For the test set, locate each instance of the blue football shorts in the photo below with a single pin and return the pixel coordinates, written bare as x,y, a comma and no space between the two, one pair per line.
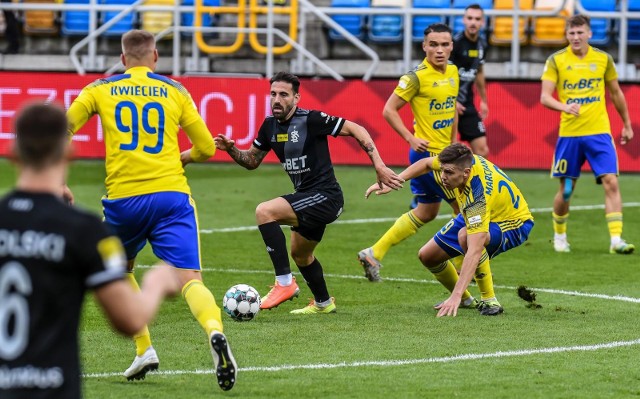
427,188
500,240
168,220
571,153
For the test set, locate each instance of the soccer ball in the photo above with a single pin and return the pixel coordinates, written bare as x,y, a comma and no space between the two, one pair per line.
241,302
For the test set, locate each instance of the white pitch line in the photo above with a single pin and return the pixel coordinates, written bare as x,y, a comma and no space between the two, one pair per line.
423,281
406,362
387,220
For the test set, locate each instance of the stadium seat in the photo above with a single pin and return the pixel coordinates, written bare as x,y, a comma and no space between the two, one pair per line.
420,22
188,18
354,24
457,24
157,21
502,27
75,22
600,27
386,28
125,24
40,22
550,31
633,25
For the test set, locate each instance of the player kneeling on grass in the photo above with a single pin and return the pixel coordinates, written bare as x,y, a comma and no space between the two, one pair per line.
494,217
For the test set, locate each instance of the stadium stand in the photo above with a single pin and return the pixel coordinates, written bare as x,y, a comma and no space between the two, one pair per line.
420,22
600,27
550,31
457,24
502,27
40,22
354,24
188,18
75,23
157,21
125,24
633,25
386,28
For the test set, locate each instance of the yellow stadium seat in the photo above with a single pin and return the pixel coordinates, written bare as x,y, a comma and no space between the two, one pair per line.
157,21
502,27
549,31
40,22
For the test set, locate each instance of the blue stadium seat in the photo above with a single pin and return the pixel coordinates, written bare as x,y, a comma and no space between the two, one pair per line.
421,22
633,32
354,24
125,24
457,26
600,27
386,28
188,18
75,22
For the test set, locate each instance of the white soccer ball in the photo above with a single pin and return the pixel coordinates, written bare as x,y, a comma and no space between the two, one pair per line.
241,302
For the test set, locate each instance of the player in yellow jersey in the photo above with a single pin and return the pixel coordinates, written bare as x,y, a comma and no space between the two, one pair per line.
580,74
431,90
494,218
148,198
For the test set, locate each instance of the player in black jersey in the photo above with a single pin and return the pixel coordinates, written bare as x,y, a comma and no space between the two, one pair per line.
469,49
50,255
299,139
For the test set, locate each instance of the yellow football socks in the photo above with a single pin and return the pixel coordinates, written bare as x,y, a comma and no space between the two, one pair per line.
404,227
484,279
447,275
614,222
560,223
203,306
142,339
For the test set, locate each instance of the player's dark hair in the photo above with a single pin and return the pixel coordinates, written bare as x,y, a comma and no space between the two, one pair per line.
287,78
474,6
457,154
579,20
41,134
438,28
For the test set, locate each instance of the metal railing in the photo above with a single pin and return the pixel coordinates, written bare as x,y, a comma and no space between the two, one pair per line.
308,10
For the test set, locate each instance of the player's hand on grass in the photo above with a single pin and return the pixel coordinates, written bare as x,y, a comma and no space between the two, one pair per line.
418,145
448,307
627,135
388,177
223,143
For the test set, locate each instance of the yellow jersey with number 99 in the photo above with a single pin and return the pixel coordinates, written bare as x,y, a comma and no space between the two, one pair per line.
141,113
432,96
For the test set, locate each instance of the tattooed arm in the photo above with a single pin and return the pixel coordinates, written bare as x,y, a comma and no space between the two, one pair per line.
249,159
386,176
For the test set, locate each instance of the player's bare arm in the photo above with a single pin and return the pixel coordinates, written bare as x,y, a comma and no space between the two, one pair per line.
546,99
386,176
249,159
416,169
618,100
391,114
454,128
129,310
476,243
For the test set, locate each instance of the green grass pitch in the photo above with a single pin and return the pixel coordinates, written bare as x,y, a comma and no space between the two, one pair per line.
384,341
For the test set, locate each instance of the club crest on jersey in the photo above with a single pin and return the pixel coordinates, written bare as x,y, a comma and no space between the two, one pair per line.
452,82
282,137
593,67
295,135
473,53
